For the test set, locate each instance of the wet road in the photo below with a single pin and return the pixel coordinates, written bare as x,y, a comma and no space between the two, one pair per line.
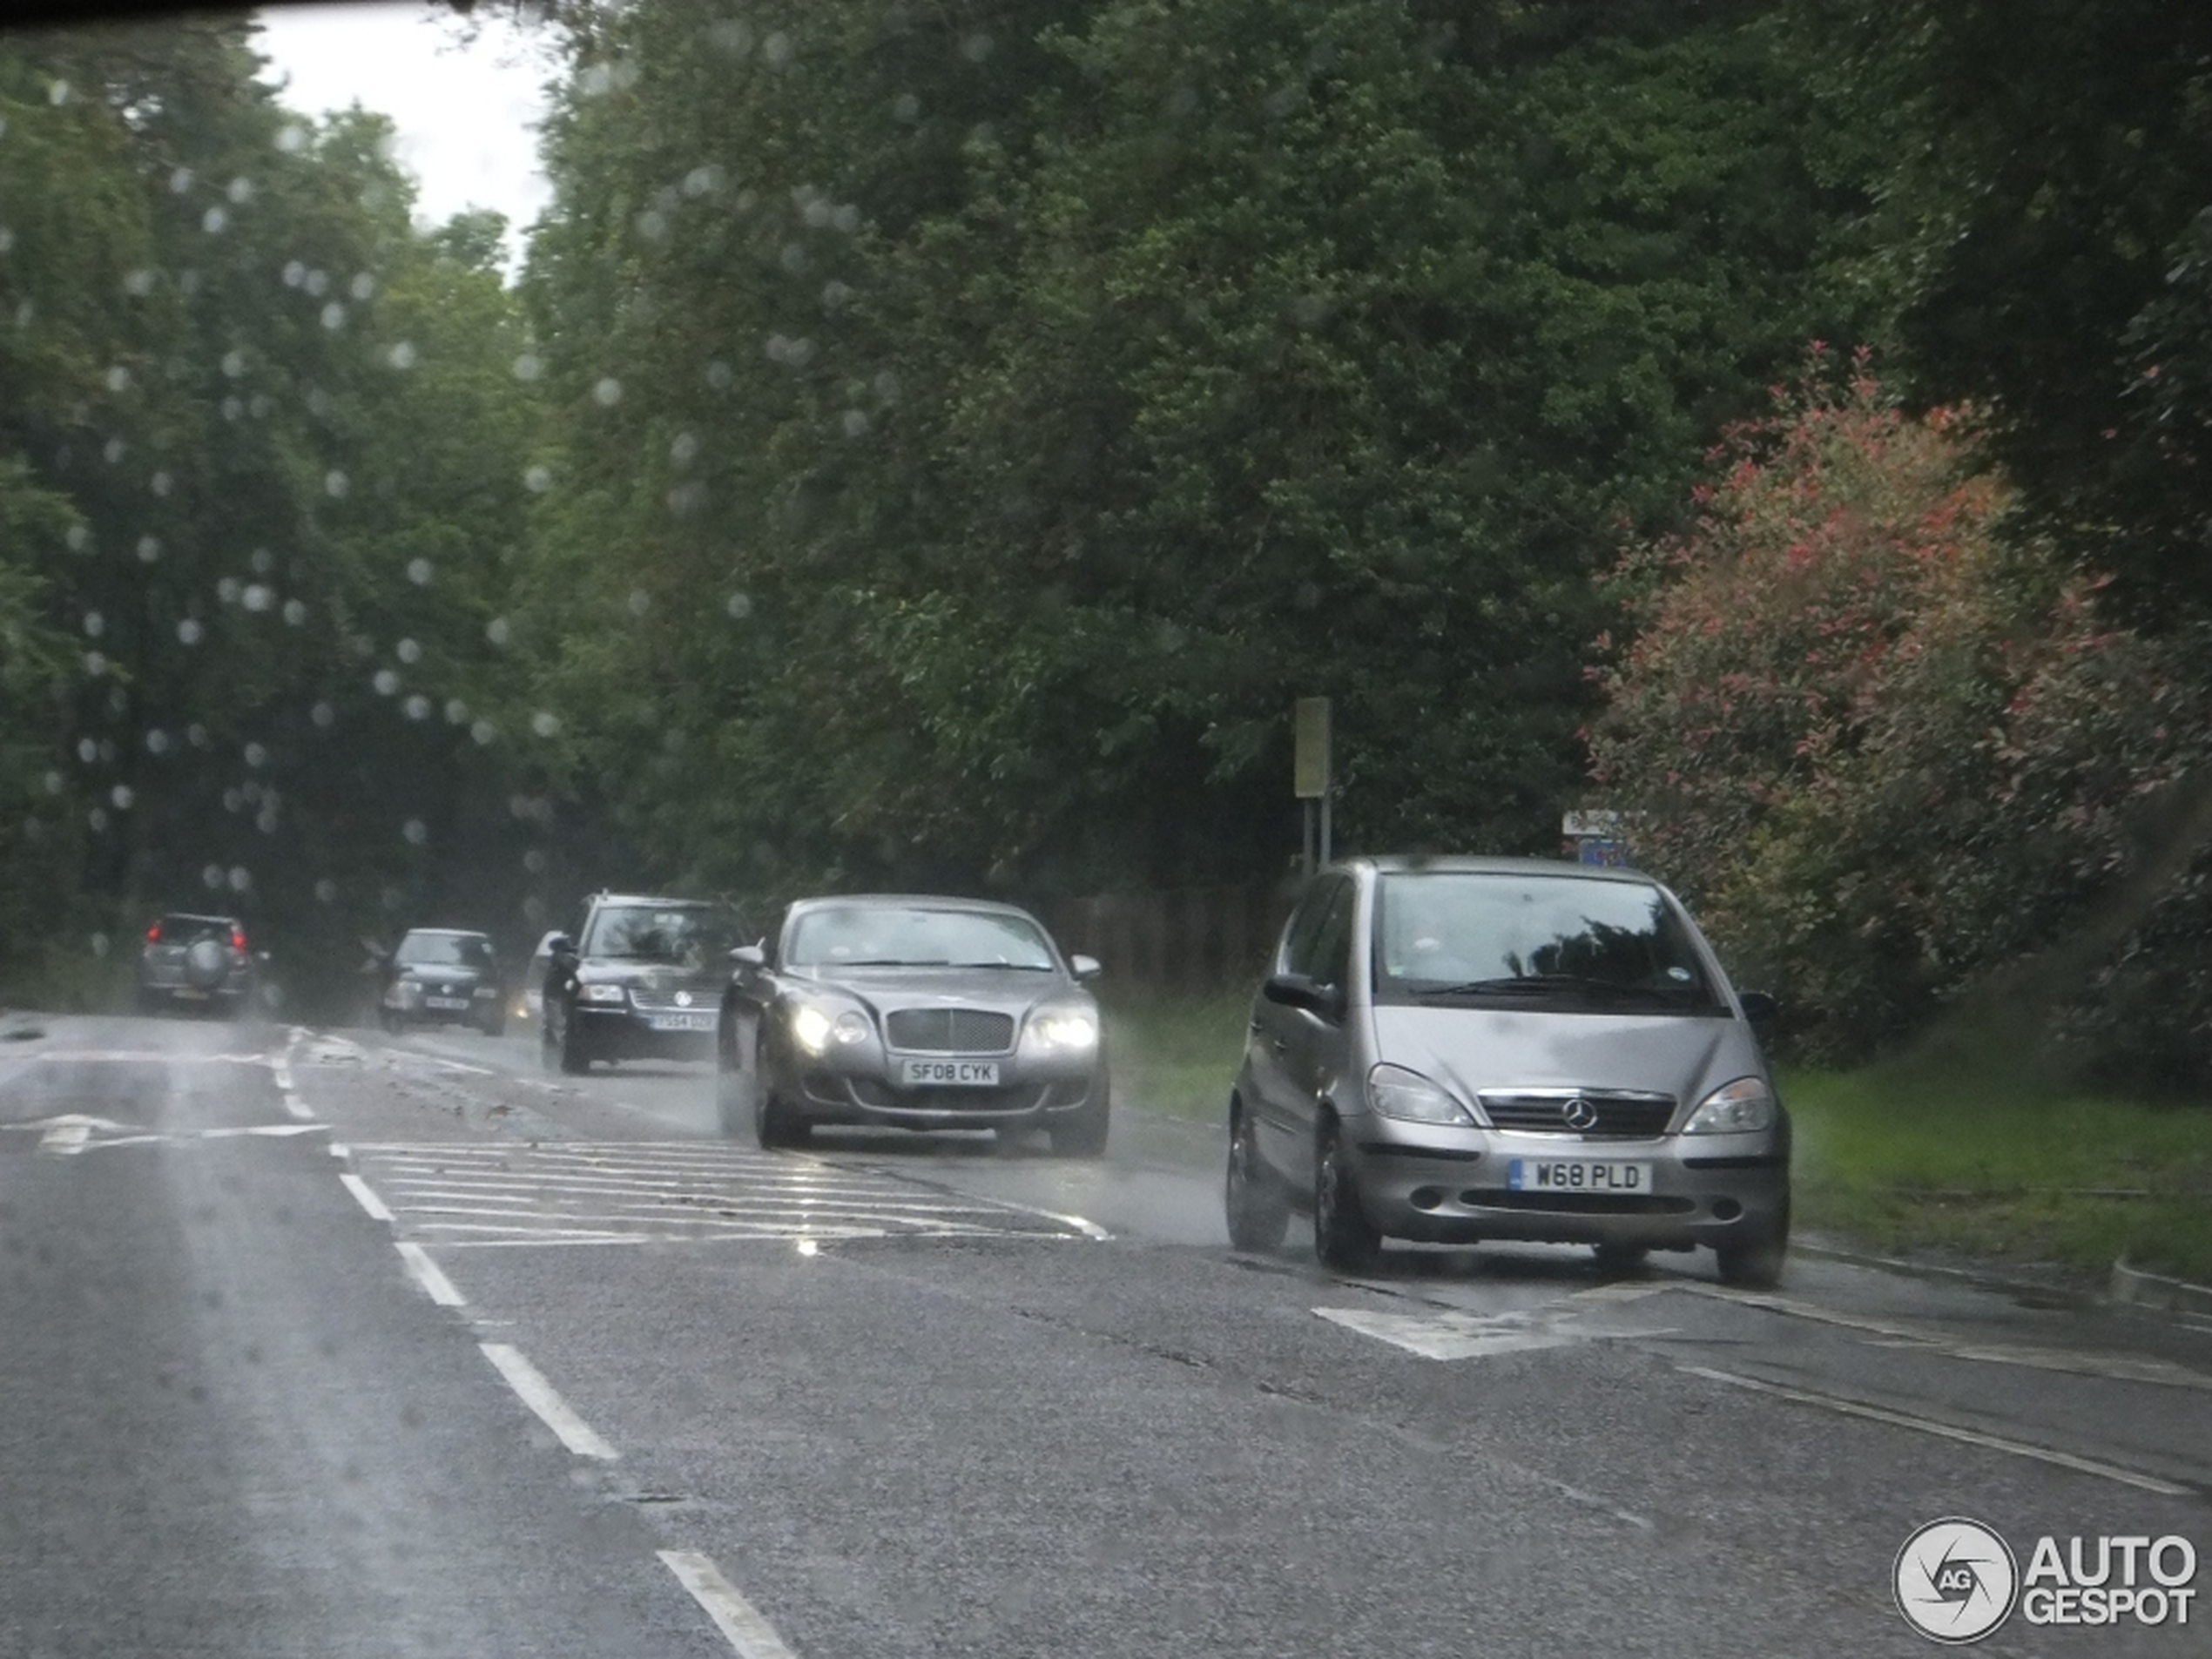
336,1344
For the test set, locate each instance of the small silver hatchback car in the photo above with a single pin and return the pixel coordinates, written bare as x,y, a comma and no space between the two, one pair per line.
1454,1049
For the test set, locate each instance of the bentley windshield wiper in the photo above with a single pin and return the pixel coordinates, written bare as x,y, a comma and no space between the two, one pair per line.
888,961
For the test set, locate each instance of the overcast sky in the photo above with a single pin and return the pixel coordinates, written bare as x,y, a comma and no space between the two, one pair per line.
465,112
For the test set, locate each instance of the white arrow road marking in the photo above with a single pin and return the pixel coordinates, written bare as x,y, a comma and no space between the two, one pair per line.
741,1622
538,1394
1453,1335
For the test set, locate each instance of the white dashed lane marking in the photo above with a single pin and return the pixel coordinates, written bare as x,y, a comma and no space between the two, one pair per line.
455,1194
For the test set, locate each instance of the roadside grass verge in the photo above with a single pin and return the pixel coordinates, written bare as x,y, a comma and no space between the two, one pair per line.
1911,1159
1176,1053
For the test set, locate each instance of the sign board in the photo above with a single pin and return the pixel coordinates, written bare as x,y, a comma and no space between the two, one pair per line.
1310,772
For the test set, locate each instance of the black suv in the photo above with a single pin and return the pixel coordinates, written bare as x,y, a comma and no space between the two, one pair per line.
443,976
642,978
202,962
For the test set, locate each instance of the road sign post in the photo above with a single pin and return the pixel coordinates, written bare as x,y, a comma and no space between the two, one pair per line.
1311,778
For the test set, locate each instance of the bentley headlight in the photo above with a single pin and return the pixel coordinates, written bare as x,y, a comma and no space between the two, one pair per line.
810,1027
1744,1107
1064,1029
1396,1092
852,1026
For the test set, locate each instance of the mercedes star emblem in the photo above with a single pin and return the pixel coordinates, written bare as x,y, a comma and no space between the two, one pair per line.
1579,1114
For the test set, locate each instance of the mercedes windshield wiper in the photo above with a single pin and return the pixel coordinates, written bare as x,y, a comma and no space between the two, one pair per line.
1026,967
1546,984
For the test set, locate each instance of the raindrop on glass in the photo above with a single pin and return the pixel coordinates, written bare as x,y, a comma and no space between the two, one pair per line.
538,479
295,611
294,274
497,631
402,355
292,139
257,597
386,682
190,632
95,623
408,652
212,877
241,878
149,549
157,742
528,367
138,283
123,796
417,707
327,891
483,731
323,715
214,221
639,602
456,711
256,756
415,831
362,286
334,316
419,572
545,724
739,606
607,393
87,751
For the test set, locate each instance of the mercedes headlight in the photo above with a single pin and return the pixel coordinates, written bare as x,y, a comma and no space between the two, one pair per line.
1744,1107
601,993
1407,1095
1064,1029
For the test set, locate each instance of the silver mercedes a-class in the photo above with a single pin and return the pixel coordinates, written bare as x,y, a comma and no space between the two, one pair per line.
1455,1050
912,1012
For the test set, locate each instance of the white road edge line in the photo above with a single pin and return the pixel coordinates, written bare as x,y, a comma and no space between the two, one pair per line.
430,1276
367,1195
747,1631
538,1394
1946,1431
66,1139
288,1090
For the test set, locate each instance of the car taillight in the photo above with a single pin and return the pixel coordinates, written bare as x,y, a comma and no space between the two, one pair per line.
238,939
154,934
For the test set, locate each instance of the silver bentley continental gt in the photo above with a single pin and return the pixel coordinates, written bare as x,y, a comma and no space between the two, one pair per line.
912,1012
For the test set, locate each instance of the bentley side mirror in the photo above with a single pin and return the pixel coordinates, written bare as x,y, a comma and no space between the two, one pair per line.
748,959
1085,969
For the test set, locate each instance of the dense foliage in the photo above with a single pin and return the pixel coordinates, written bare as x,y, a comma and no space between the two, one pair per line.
1889,748
1023,406
260,474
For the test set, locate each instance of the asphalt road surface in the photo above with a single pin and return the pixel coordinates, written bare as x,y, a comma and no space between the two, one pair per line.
334,1343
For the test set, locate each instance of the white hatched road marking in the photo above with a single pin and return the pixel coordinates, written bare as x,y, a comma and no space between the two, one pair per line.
458,1194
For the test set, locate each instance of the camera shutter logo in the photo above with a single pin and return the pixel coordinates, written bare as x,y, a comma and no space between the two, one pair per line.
1955,1581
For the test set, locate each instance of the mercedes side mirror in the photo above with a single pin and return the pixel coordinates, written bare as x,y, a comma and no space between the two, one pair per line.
1298,991
1759,1008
